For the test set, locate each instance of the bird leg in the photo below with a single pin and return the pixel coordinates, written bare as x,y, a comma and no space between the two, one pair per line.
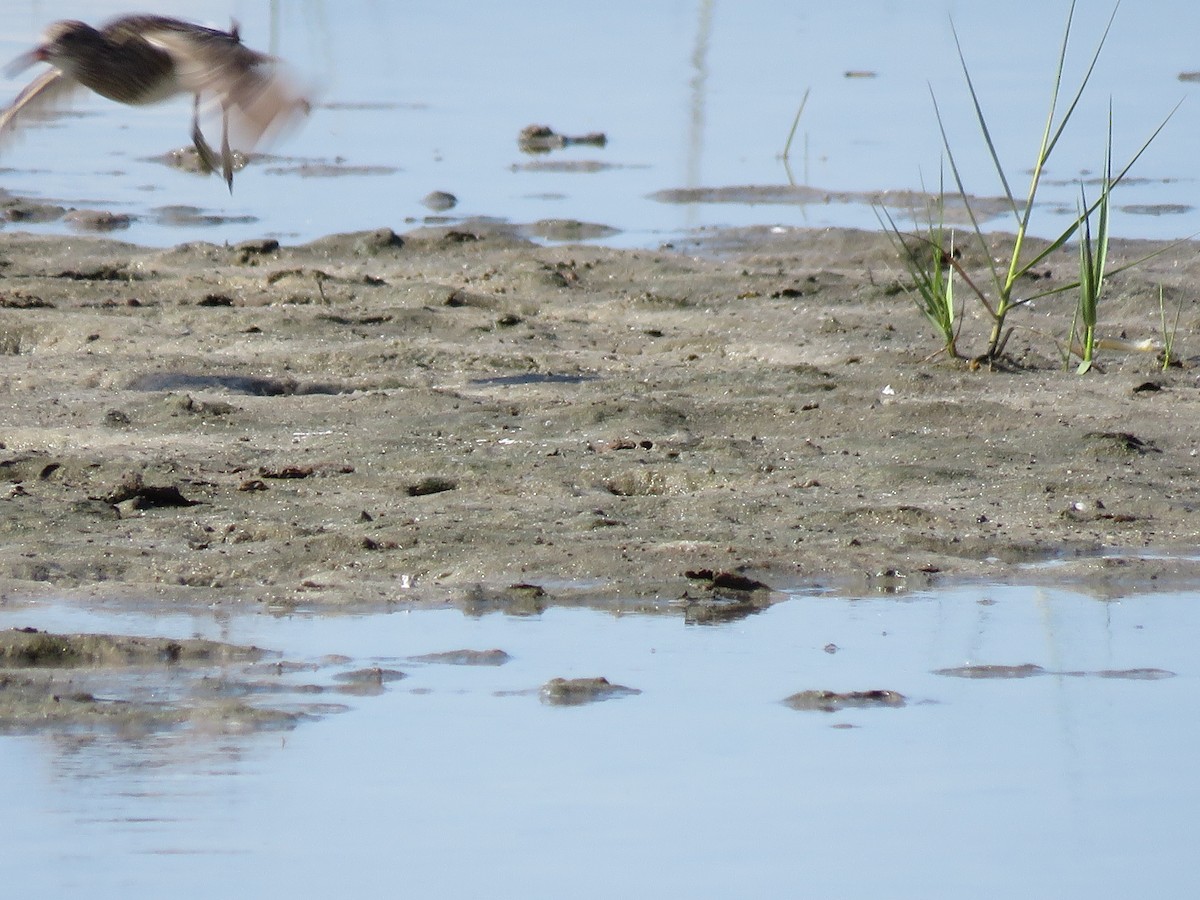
226,152
208,159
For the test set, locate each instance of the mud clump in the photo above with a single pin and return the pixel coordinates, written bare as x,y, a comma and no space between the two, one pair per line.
135,685
832,701
578,691
30,648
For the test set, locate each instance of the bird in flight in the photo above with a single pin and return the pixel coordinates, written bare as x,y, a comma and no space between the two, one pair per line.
141,59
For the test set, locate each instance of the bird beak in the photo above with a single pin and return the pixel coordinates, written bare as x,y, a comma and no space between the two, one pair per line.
25,60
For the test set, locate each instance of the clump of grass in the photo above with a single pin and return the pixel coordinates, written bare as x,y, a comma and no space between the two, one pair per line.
929,258
1006,273
1093,259
1168,351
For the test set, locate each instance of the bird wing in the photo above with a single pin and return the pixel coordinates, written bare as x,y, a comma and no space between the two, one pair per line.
37,99
248,84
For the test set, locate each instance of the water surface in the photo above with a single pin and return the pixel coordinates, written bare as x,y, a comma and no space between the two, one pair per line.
455,783
417,97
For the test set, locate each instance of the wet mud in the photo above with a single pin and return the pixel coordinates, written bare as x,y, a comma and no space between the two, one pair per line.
459,414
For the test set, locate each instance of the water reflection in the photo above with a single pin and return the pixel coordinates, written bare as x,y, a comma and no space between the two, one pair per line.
706,783
697,84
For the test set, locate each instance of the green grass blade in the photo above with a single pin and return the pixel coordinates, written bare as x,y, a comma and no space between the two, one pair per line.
1102,227
980,239
933,281
1087,77
1047,141
1051,135
983,126
1145,145
1113,181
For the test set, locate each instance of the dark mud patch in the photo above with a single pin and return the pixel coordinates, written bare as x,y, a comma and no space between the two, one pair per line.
252,385
136,494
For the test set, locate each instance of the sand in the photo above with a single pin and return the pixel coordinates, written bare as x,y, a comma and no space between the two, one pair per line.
460,415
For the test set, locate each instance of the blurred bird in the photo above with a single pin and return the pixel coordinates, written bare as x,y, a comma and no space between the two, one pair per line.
142,59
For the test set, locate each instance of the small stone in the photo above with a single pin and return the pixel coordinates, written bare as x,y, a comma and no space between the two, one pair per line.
439,201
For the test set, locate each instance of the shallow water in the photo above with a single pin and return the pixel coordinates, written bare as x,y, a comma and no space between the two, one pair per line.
455,783
421,97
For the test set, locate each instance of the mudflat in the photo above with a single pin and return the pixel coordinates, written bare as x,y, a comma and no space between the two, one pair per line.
461,415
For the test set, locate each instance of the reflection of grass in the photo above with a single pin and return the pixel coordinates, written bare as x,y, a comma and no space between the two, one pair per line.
1006,272
787,147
